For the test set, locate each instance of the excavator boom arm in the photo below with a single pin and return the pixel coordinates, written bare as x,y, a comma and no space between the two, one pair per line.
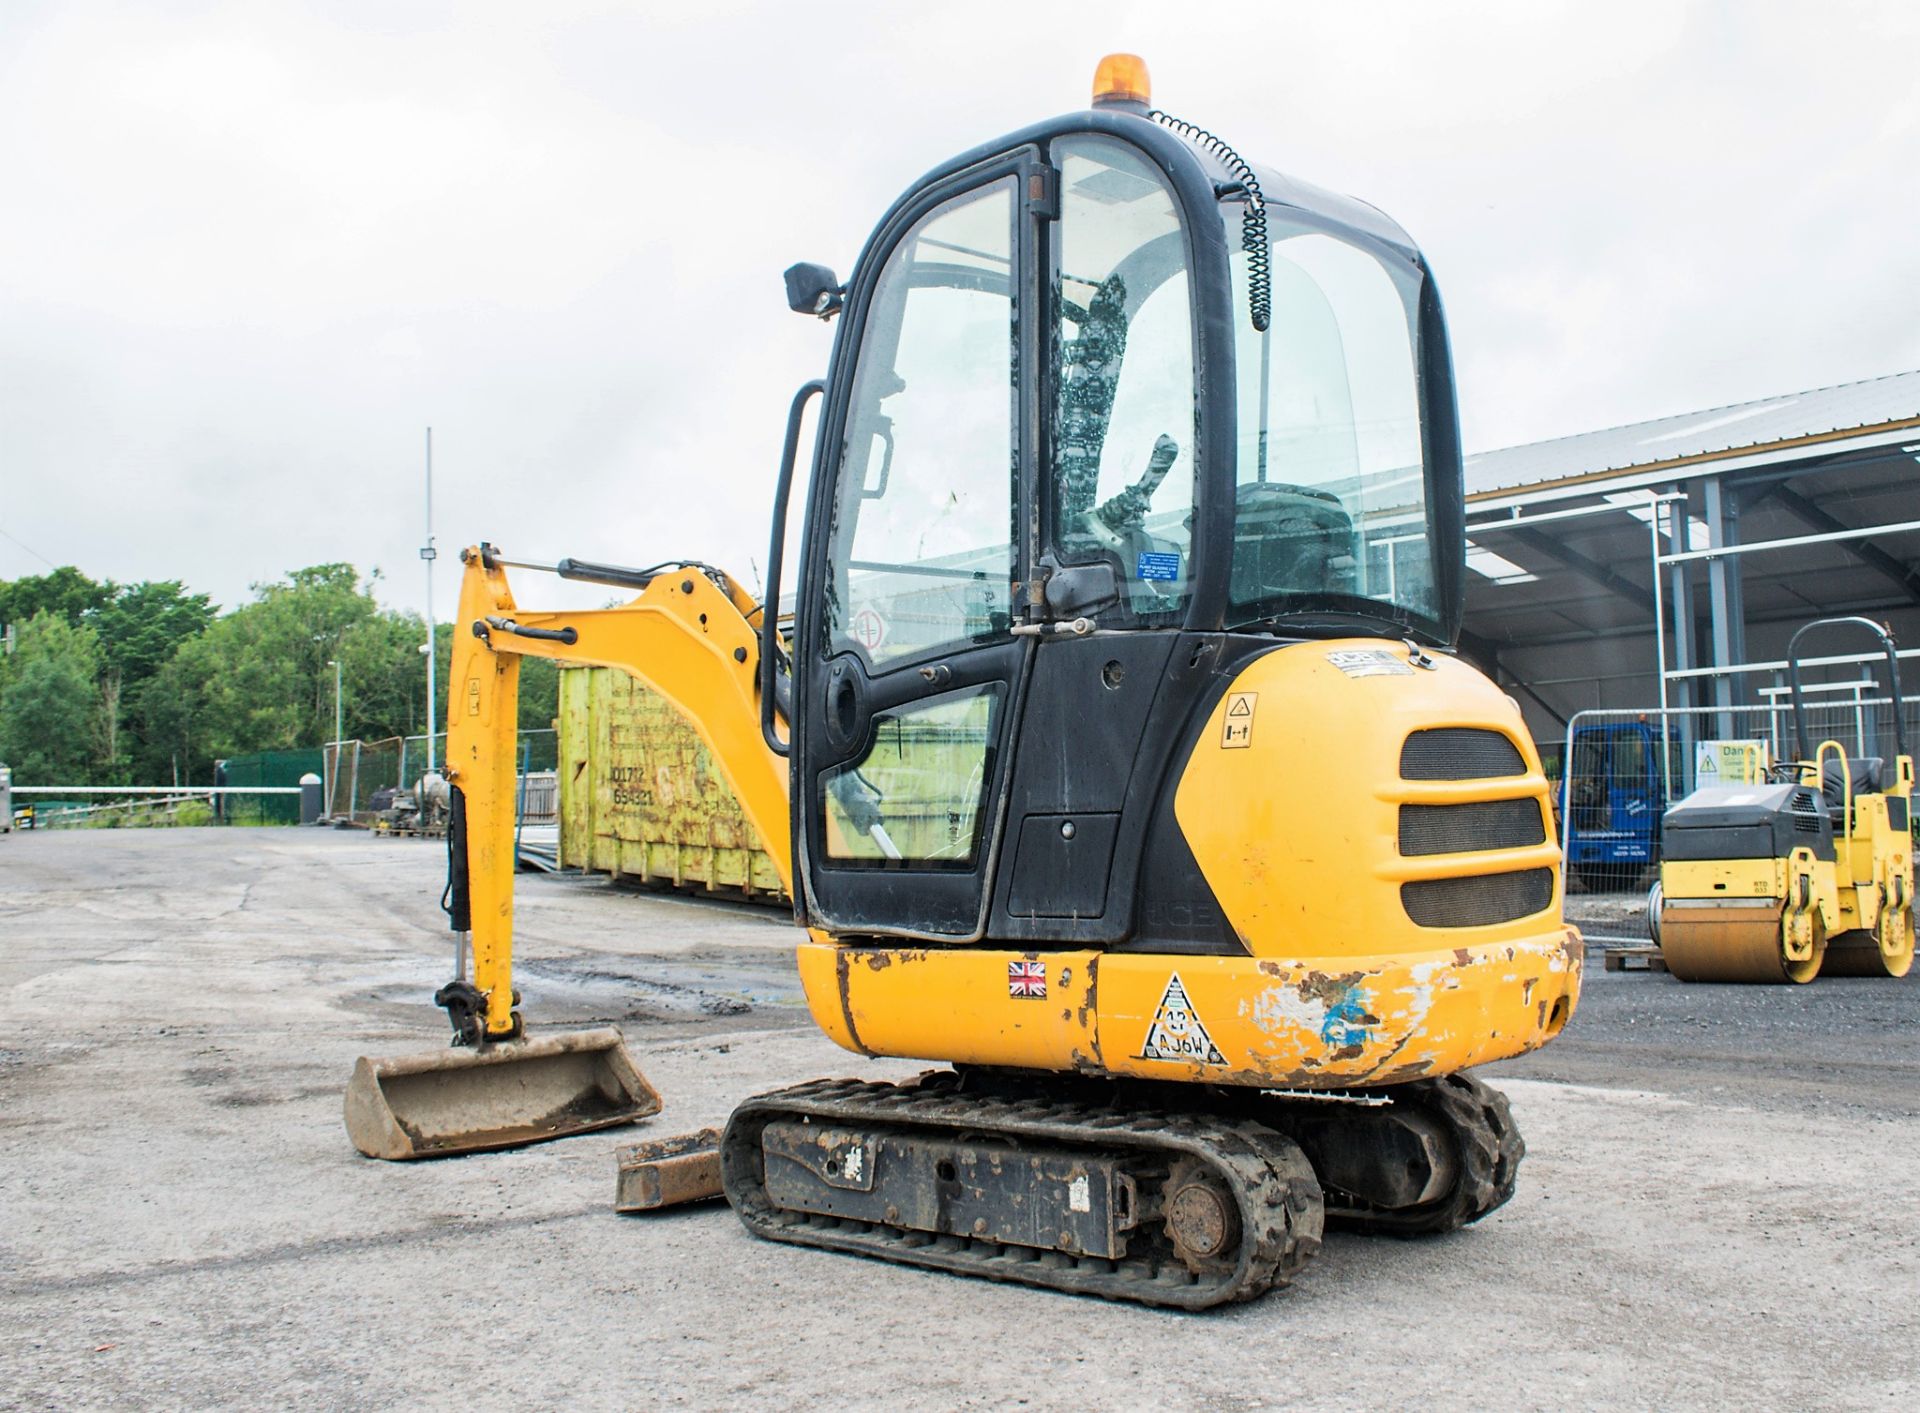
685,637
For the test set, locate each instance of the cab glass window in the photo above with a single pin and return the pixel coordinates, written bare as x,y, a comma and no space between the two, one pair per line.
917,795
921,553
1122,349
1330,506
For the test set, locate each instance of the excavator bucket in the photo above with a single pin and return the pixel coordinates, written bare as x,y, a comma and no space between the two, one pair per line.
445,1102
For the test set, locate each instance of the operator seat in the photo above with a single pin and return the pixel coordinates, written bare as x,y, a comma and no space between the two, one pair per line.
1865,771
1290,539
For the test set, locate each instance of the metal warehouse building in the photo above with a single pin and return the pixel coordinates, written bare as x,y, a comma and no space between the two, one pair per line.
1668,562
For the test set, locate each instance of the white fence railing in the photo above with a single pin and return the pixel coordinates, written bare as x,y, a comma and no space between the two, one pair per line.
124,803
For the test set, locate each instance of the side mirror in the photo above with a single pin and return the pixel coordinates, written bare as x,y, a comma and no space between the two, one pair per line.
813,289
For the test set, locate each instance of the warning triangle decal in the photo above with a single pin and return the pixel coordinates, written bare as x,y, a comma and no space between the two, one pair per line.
1176,1032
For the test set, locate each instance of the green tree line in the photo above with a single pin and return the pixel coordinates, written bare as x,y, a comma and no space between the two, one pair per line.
149,684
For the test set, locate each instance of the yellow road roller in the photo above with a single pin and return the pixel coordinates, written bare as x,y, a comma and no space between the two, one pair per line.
1805,870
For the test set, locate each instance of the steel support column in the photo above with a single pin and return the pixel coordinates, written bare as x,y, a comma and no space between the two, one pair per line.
1680,592
1727,613
1680,595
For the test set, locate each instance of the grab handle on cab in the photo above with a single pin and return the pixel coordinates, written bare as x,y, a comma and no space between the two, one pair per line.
770,609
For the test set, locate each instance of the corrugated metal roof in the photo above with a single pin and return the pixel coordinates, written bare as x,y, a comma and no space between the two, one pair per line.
1743,426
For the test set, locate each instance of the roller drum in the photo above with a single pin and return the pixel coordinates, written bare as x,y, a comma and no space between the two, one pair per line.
1859,954
1710,941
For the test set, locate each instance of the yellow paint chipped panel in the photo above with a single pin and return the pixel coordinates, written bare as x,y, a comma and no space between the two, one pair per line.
1320,1023
960,1004
1332,1022
819,978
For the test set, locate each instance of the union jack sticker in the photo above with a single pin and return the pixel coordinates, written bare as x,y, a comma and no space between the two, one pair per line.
1027,980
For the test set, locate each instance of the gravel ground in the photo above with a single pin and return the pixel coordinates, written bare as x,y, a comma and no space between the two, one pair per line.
1713,1211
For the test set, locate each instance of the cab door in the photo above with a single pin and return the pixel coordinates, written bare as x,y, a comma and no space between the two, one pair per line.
906,670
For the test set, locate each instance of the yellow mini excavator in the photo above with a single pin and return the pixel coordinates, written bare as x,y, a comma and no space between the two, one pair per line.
1118,758
1808,870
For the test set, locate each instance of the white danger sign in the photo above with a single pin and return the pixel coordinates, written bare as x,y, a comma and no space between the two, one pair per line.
1176,1032
1729,762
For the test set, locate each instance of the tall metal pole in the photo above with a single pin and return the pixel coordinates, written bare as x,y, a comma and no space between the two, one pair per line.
429,554
339,729
1660,641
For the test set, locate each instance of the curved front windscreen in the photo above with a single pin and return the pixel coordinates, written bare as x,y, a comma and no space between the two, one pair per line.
1330,500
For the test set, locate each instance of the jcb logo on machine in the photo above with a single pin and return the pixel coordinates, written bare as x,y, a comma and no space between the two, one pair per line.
1176,1032
1237,729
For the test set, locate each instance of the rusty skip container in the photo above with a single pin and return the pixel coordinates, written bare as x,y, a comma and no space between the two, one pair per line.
641,798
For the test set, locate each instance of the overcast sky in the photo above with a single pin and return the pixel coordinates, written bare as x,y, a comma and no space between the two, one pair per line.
249,251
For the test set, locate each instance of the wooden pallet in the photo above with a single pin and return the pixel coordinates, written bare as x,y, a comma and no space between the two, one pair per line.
1646,958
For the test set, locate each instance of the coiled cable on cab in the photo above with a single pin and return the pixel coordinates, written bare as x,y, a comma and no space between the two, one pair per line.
1253,226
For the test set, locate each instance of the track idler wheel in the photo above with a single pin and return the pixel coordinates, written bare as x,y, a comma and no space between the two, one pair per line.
1486,1150
1203,1220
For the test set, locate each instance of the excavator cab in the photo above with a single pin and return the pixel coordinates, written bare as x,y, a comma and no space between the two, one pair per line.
1101,396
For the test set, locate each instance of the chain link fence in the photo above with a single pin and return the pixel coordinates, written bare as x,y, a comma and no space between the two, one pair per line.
1619,770
359,777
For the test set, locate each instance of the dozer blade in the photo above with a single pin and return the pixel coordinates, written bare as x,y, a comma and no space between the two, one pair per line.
452,1101
667,1172
1713,941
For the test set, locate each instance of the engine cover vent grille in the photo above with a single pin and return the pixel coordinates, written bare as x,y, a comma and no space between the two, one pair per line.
1806,812
1470,828
1459,753
1477,902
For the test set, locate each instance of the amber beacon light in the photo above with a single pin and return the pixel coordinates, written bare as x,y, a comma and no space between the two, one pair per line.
1122,78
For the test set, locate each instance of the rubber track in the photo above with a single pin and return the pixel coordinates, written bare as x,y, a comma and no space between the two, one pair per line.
1278,1195
1486,1142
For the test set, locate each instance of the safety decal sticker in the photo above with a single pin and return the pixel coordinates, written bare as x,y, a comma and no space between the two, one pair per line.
1156,565
1238,728
1027,981
868,629
1176,1032
1369,662
1079,1194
